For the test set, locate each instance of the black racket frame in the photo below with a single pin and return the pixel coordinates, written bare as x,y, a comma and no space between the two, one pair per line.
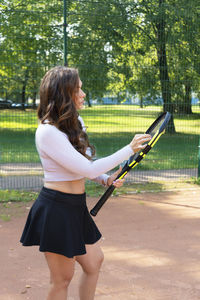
135,159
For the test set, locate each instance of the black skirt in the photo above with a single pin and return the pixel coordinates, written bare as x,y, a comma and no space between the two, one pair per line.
60,223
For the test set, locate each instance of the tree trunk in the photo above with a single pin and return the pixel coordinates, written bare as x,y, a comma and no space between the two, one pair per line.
34,99
188,99
183,105
24,84
163,67
141,102
88,99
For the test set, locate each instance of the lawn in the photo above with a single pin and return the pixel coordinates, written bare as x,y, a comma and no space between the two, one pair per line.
109,128
96,190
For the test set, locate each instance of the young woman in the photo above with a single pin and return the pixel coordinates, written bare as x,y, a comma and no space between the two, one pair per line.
59,221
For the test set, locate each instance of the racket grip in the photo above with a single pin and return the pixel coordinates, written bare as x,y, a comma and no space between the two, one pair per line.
102,200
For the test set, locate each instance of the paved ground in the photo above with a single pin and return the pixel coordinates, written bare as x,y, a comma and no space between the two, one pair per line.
30,176
151,245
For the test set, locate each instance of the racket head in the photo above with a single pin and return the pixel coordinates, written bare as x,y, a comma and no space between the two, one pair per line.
159,124
157,127
155,130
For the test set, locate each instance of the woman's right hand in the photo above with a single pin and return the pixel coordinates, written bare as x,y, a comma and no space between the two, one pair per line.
138,141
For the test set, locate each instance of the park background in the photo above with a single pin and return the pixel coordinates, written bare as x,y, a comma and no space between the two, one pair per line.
136,59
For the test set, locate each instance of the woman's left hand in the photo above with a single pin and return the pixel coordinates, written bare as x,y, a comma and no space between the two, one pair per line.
119,182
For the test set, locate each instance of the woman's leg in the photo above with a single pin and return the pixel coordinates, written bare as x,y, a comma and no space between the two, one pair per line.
61,272
90,263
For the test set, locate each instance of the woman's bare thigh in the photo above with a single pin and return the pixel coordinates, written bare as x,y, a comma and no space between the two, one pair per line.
60,266
92,260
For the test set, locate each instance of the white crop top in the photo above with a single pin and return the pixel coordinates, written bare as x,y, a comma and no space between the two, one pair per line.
62,162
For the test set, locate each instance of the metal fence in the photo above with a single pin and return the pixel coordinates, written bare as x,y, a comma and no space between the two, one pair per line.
135,59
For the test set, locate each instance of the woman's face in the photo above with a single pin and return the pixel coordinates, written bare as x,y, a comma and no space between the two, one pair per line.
79,97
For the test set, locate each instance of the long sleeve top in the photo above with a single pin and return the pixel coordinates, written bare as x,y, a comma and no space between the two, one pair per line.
62,162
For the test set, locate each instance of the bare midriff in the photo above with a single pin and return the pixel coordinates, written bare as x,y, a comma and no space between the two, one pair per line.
71,187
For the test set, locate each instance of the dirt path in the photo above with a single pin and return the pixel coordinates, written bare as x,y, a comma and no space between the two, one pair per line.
151,245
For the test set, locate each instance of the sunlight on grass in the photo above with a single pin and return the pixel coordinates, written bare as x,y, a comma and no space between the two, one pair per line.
10,119
105,118
117,119
16,125
132,119
109,127
193,126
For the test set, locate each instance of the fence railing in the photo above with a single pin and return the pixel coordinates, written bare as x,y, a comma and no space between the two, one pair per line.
135,59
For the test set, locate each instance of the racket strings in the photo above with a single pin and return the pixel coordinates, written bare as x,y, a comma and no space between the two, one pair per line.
156,127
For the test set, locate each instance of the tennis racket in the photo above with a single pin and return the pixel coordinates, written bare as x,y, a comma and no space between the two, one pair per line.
155,130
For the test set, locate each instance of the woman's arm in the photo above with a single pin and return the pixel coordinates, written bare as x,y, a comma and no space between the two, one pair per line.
55,144
102,179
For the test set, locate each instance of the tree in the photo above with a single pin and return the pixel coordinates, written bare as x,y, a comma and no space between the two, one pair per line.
86,48
28,43
148,48
151,26
185,59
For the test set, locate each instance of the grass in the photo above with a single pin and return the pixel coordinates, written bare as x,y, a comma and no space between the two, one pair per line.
5,217
7,196
95,190
15,203
109,128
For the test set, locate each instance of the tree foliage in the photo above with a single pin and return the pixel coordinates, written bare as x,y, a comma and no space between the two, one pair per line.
147,49
28,47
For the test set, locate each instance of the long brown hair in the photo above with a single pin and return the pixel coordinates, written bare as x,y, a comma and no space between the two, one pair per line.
57,93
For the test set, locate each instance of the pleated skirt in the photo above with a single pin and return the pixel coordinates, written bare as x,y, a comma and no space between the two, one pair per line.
60,223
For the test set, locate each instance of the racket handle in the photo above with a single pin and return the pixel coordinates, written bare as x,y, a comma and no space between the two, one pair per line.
102,200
